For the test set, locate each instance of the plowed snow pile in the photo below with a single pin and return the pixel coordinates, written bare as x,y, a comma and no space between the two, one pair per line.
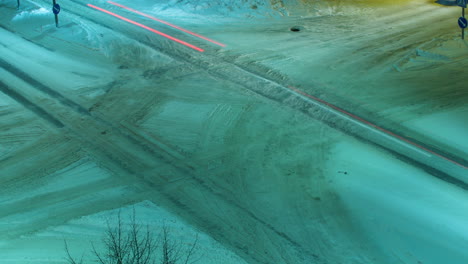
256,8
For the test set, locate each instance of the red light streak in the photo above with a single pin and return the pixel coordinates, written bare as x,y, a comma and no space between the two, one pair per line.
374,126
167,23
147,28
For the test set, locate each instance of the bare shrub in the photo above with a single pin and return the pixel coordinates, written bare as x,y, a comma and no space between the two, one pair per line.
136,244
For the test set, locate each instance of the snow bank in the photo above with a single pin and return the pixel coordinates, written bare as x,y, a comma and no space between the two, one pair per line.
28,14
450,127
242,9
228,8
411,215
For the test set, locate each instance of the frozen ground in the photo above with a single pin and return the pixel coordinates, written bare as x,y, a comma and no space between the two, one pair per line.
46,247
101,115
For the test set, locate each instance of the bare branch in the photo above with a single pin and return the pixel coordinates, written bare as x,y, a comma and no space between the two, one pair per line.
70,259
191,251
98,256
133,245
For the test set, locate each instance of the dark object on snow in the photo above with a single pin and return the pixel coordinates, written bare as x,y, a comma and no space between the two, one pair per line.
447,2
296,29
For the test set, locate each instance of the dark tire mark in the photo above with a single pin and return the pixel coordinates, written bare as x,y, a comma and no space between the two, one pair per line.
43,88
29,105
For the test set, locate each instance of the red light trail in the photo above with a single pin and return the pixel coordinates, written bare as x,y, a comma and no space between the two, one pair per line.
147,28
389,133
374,126
167,23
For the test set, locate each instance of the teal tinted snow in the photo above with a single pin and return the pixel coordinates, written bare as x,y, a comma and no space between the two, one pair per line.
344,142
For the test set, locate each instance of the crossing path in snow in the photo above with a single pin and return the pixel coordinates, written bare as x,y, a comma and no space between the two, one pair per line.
452,169
140,158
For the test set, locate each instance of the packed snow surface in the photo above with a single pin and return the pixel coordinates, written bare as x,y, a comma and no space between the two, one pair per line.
273,149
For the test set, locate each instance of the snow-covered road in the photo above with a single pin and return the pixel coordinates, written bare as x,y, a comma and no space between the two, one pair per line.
101,114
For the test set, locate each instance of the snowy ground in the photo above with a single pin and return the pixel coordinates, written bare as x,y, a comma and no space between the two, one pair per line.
412,217
47,246
100,116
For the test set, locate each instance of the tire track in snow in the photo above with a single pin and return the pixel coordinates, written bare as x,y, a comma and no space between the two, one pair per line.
41,87
30,105
132,153
254,83
215,72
